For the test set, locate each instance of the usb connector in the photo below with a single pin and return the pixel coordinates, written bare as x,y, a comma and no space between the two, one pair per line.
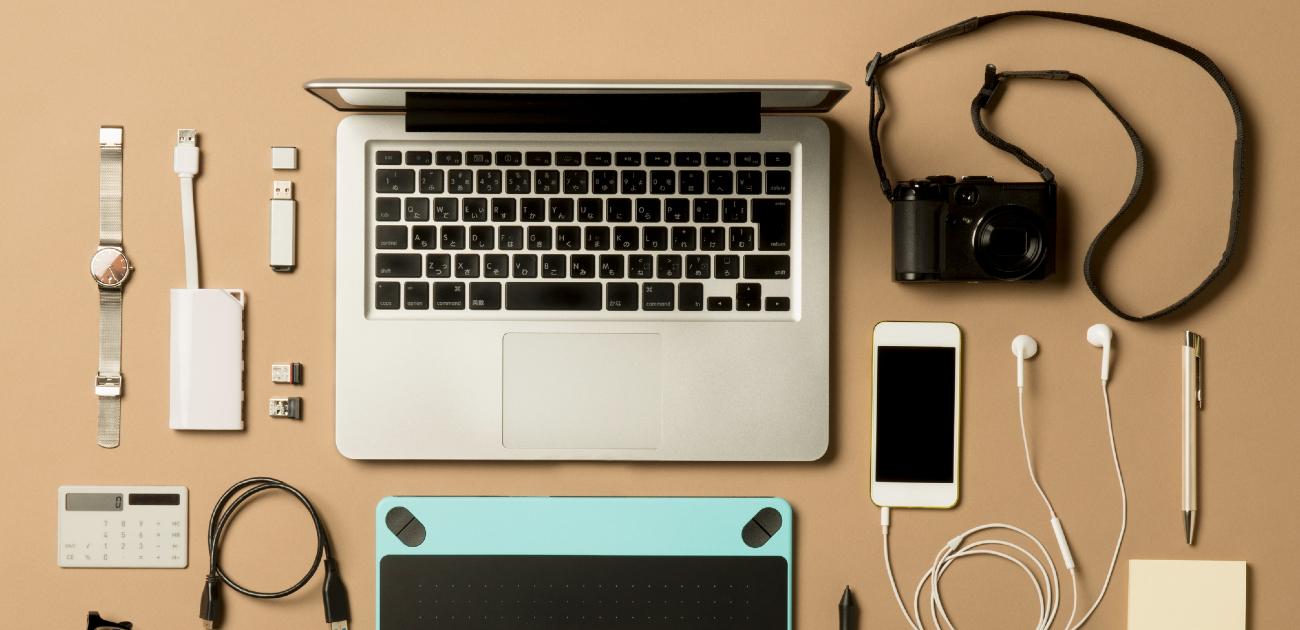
185,157
284,212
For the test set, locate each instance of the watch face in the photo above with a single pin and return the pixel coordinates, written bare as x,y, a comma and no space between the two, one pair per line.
110,267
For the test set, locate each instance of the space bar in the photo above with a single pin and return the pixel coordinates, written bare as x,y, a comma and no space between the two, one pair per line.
553,296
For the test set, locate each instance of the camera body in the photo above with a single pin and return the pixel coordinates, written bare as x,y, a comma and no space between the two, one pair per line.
973,229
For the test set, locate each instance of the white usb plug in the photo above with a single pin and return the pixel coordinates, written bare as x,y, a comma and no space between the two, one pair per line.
283,225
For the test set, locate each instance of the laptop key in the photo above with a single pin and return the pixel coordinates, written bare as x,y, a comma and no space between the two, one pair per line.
597,158
509,158
719,304
683,238
677,210
419,158
690,296
749,296
647,211
452,237
524,266
749,159
726,267
553,266
618,210
669,266
632,183
625,238
460,181
691,182
654,238
547,182
489,181
496,265
698,266
415,296
604,182
485,296
591,210
657,296
568,158
448,158
776,303
467,265
627,158
597,237
767,267
720,182
388,209
611,266
706,210
476,209
394,180
777,158
717,159
582,266
640,266
686,158
539,237
519,182
749,182
388,158
742,239
417,209
431,181
663,182
446,209
561,210
734,210
773,219
397,265
778,182
713,239
532,210
621,296
437,266
388,295
503,209
576,182
568,238
478,158
658,158
537,158
424,237
553,296
390,237
449,296
510,237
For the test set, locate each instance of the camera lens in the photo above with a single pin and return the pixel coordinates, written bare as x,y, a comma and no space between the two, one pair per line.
1009,242
967,195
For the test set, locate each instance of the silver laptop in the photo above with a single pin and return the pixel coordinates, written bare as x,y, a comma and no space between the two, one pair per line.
615,271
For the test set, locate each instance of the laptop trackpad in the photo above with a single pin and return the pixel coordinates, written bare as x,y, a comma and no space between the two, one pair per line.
580,390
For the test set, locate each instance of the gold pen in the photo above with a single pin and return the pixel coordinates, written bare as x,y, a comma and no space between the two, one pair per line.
1193,399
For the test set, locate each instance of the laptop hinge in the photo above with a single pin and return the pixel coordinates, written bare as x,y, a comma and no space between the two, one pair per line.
668,112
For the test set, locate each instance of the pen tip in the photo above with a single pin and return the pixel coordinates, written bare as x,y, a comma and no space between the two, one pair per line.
847,598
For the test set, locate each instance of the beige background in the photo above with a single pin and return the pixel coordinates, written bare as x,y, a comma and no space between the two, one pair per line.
234,70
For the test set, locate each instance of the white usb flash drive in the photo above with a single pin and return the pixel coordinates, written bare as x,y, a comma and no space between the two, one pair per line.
207,359
283,211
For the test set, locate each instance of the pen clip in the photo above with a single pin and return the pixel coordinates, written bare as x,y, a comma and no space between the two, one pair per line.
1195,343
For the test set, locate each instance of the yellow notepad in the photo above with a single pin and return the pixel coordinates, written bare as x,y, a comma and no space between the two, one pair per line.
1186,595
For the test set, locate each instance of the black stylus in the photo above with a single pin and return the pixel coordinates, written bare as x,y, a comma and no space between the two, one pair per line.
846,610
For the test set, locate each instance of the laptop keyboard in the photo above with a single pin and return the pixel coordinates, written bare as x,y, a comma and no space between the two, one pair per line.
520,232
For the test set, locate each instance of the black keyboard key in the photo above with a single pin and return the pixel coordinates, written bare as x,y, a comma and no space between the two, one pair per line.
394,180
547,182
686,158
446,209
452,237
582,266
576,182
388,295
496,265
647,211
677,210
597,158
476,209
618,210
390,237
415,296
690,182
657,296
632,183
561,210
537,158
604,182
460,181
713,239
742,239
481,237
553,296
539,237
627,159
431,181
778,182
532,210
640,266
509,158
503,209
416,209
776,303
524,266
597,237
735,211
449,296
488,181
568,238
749,159
424,237
690,296
419,158
776,158
621,296
773,219
749,296
726,267
717,159
388,209
437,266
749,182
388,158
663,182
485,296
553,266
510,237
706,210
448,158
668,266
767,267
611,266
654,239
519,182
720,183
478,158
719,304
698,266
625,238
568,158
658,158
398,265
591,210
467,265
683,238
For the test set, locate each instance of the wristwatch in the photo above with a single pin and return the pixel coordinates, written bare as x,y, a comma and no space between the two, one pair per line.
110,268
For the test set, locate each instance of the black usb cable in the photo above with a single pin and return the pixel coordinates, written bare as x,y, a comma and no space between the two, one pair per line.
333,591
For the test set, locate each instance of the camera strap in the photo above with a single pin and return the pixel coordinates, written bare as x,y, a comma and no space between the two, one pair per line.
993,80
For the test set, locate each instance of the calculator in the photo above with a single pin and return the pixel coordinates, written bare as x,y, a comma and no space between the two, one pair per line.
124,526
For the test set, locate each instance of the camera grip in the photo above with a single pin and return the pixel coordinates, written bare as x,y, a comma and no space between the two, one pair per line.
918,234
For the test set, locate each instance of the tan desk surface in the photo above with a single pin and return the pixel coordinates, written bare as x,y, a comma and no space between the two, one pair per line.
234,70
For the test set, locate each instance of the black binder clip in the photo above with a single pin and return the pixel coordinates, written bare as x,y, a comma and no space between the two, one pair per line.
95,622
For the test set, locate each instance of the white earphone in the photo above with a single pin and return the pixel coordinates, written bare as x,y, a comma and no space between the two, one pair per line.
1024,347
1100,335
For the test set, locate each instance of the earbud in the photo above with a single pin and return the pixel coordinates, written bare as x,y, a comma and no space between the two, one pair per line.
1024,347
1100,335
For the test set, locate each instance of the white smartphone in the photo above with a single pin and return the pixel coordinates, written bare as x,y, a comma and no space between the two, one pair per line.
915,414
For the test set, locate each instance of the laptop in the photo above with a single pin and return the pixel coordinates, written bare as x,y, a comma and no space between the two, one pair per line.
566,271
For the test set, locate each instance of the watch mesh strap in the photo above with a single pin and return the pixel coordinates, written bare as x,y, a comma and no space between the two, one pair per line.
110,421
110,190
110,362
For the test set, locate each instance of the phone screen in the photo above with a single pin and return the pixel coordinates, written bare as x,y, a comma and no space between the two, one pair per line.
915,414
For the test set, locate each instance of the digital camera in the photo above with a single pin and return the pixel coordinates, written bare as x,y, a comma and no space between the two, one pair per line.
975,229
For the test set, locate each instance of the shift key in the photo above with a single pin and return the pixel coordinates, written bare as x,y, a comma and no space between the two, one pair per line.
398,265
767,267
773,219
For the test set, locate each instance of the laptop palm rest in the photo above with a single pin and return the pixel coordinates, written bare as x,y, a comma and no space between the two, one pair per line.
580,391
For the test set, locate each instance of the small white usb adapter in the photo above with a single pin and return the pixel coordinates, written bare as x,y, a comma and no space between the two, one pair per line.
283,226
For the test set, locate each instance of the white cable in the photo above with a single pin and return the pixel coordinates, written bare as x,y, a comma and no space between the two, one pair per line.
185,162
1046,581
